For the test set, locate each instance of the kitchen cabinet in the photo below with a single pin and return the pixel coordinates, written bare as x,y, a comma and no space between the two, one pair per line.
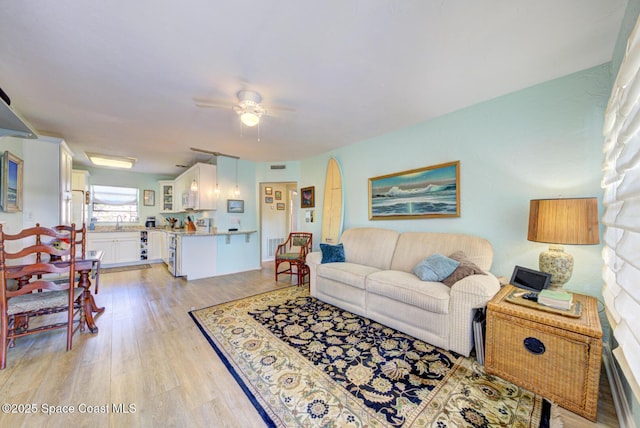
167,195
156,244
118,247
66,159
196,188
196,255
80,196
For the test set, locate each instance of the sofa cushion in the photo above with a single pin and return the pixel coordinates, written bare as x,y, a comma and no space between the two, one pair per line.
347,273
408,288
436,267
414,246
464,269
370,246
332,253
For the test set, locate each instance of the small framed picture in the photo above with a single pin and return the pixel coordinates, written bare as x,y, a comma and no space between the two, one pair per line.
149,198
280,206
235,206
268,190
268,199
308,197
278,195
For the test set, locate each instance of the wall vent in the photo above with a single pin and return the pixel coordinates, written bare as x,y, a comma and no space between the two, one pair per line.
278,166
272,246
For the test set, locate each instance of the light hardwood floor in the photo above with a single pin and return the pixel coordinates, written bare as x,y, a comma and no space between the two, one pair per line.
150,359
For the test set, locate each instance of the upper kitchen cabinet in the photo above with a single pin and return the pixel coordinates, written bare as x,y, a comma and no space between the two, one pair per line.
47,182
80,196
195,189
166,193
66,178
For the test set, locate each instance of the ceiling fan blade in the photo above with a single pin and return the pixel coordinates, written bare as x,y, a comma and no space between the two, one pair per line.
195,149
207,103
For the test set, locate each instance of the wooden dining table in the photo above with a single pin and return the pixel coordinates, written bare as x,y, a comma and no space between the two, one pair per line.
85,266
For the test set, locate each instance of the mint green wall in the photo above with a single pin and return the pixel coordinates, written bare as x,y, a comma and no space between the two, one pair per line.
541,142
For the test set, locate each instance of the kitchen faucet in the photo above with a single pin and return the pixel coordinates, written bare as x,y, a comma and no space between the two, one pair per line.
118,220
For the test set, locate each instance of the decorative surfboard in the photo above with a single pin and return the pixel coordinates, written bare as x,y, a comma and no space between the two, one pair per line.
333,204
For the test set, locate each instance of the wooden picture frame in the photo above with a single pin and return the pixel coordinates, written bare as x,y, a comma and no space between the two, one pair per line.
278,195
280,206
235,206
307,197
268,199
268,190
11,175
149,198
429,192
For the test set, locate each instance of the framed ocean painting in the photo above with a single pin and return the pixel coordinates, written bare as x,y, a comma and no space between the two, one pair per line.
429,192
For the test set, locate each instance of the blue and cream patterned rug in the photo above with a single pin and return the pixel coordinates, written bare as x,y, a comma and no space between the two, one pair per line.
303,362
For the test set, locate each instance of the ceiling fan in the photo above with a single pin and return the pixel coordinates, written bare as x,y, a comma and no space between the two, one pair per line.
249,107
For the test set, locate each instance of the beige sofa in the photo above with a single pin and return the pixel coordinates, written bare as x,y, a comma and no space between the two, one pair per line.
376,281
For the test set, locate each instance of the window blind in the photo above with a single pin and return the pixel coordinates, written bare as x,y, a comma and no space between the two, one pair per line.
621,184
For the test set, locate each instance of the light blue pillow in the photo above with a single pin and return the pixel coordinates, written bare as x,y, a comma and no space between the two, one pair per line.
332,253
435,268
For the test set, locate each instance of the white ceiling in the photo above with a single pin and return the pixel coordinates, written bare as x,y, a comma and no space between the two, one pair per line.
120,76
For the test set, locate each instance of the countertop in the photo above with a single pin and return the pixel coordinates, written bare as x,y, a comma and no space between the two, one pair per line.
181,232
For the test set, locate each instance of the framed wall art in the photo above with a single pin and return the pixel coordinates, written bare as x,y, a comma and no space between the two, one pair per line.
268,190
307,199
278,195
235,206
429,192
11,176
149,198
268,199
280,206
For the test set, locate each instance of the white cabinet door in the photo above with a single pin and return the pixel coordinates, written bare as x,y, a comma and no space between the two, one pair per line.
104,245
118,247
65,183
156,244
207,195
128,249
167,203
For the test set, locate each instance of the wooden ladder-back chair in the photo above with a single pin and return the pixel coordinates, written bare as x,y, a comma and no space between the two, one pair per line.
27,288
294,252
81,249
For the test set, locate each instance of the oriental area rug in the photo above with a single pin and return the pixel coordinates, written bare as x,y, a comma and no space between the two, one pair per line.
306,363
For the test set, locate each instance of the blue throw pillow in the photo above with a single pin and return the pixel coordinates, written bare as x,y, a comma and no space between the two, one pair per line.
332,253
436,267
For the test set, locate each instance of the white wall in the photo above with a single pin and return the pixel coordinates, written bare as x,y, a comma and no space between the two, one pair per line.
541,142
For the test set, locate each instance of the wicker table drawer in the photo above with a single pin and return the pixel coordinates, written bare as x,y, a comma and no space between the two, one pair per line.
557,357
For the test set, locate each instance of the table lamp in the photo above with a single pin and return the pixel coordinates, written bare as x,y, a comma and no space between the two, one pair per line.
572,221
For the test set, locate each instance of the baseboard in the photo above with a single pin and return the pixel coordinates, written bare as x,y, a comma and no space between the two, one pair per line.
625,418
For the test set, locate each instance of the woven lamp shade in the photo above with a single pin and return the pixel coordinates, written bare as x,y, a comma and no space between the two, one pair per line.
564,221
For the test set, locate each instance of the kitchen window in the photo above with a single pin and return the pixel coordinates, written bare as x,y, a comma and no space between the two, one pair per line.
112,204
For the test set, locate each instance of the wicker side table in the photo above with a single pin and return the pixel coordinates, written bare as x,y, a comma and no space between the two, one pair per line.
552,355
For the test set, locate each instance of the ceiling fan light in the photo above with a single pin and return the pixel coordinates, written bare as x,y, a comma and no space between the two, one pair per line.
249,118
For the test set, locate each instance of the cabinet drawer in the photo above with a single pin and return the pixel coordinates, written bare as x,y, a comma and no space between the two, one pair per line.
560,365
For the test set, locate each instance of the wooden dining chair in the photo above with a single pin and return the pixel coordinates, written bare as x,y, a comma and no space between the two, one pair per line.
27,289
81,250
294,252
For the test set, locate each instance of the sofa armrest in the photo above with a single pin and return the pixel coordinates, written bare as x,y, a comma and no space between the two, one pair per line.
313,260
482,286
469,293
